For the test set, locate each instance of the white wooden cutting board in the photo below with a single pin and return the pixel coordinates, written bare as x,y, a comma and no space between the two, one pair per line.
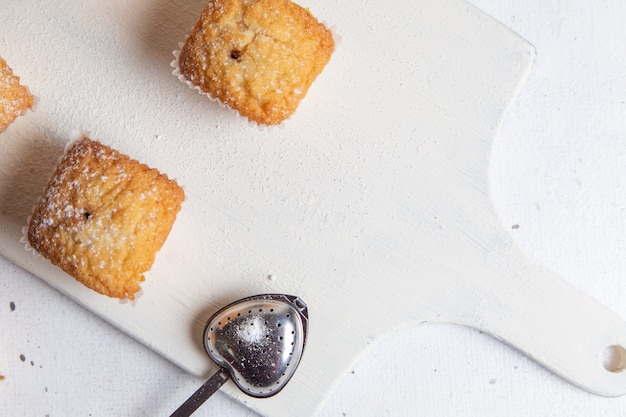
372,203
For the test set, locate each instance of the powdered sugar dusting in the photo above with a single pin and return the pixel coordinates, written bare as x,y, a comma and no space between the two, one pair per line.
252,330
15,99
103,216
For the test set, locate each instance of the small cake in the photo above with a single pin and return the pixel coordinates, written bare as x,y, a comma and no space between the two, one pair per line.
257,56
103,217
14,97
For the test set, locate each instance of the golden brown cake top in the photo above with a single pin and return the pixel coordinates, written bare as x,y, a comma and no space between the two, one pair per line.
103,217
14,97
257,56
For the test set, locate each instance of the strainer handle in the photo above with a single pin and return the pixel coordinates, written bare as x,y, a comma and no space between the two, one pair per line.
202,394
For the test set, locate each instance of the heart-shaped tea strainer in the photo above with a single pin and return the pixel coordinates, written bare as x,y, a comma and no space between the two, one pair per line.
258,342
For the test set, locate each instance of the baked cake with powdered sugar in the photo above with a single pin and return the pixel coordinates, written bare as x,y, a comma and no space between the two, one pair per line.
257,56
103,217
14,97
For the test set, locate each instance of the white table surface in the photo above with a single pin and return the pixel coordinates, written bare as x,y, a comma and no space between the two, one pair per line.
559,183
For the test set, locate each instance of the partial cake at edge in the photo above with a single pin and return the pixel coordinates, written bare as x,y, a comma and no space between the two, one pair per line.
15,98
257,56
103,217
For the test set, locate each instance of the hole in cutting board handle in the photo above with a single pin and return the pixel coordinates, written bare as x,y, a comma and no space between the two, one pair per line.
614,358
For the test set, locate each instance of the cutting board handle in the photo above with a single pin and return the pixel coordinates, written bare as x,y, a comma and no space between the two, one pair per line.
555,324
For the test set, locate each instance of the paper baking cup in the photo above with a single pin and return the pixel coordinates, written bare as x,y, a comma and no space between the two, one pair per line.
24,238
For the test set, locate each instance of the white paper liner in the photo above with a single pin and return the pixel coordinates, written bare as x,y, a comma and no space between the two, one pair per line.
132,302
24,238
181,77
76,135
